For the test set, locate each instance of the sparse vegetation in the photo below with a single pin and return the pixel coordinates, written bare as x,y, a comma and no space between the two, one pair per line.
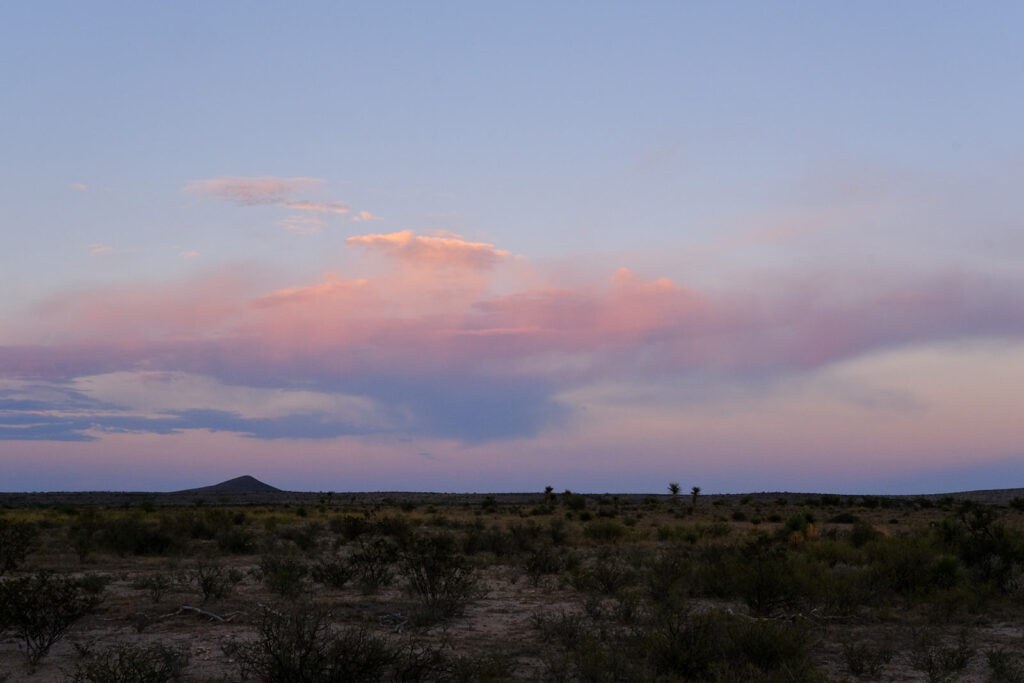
620,588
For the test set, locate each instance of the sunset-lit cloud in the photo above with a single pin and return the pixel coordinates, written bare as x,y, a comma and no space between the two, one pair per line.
79,187
364,216
303,225
435,346
319,206
252,191
449,249
97,249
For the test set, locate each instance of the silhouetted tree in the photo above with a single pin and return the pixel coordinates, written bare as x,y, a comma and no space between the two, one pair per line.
673,488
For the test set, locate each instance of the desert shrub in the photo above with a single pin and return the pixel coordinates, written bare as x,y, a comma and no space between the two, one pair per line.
284,574
605,531
349,526
1004,668
302,646
844,518
438,576
212,579
588,652
799,527
717,646
489,666
492,539
862,533
574,501
397,528
543,559
668,576
94,584
39,609
865,659
83,533
136,535
16,539
900,564
941,663
524,536
373,564
415,662
716,530
132,664
984,544
332,571
156,585
306,537
557,532
759,572
608,574
236,540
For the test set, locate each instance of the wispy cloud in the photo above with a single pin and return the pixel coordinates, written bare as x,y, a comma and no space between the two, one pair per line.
250,191
303,225
365,216
447,250
79,187
97,249
319,206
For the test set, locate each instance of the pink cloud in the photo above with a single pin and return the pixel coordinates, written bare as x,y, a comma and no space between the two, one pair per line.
303,225
416,322
365,216
257,190
449,250
320,206
97,249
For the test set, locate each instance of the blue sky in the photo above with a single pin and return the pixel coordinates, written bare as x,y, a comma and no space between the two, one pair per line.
803,196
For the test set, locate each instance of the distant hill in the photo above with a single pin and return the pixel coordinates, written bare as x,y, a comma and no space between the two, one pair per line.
243,484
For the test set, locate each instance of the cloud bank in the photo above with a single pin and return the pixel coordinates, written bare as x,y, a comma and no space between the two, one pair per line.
451,341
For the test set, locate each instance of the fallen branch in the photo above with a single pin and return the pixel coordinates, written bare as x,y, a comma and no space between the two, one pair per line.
398,620
203,613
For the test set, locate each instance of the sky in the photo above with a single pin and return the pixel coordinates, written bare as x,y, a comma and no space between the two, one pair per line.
466,246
